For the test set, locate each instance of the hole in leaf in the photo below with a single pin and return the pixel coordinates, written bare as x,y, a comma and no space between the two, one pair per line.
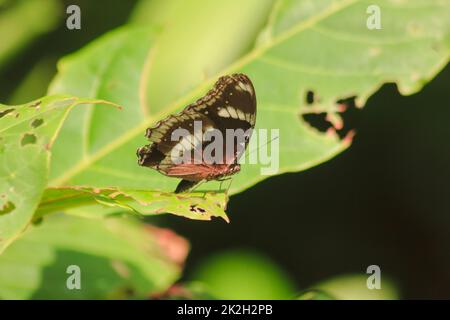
28,138
7,208
196,209
201,210
341,122
37,122
309,97
318,121
5,112
350,115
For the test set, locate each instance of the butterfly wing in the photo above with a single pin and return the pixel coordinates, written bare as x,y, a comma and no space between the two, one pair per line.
231,105
165,152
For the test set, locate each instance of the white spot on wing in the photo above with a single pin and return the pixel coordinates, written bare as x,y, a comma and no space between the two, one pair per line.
249,88
232,112
156,134
223,113
240,114
243,86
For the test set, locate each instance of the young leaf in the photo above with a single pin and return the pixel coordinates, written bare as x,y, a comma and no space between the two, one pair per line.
197,206
323,46
112,258
27,133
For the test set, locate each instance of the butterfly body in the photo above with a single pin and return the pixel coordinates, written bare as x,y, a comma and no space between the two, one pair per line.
229,107
200,172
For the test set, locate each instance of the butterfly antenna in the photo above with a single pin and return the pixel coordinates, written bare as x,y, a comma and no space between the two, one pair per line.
229,186
255,149
197,185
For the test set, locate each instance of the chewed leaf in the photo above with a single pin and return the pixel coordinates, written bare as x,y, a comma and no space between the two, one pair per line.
27,133
308,58
197,205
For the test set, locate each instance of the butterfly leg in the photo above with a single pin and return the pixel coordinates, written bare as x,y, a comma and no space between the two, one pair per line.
221,181
197,185
229,186
186,186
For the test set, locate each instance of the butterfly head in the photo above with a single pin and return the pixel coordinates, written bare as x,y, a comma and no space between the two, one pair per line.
235,168
232,169
141,153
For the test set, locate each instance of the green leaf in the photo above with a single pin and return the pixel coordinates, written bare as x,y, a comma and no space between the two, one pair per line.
198,206
21,21
322,46
27,133
243,274
118,258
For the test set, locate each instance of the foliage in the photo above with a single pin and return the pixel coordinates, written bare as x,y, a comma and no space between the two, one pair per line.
117,259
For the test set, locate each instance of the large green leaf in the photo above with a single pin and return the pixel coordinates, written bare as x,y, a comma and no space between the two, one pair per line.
117,258
322,46
27,133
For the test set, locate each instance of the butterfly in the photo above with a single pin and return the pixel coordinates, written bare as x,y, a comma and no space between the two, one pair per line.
229,110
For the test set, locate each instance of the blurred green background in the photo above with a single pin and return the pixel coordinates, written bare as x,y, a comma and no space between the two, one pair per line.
385,201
